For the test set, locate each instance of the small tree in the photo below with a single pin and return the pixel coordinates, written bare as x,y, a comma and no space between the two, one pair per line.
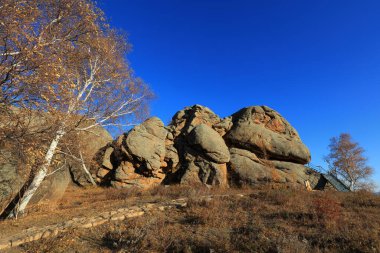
347,162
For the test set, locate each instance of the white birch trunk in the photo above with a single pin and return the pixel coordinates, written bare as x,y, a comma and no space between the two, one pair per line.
86,170
39,177
352,184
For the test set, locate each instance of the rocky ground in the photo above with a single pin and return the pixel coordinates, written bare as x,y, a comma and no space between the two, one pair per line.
231,220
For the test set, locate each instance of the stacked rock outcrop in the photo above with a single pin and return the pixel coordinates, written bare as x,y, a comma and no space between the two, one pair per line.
265,147
254,145
135,158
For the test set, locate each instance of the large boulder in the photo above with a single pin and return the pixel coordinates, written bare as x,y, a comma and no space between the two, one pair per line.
146,143
11,180
50,191
136,158
265,132
53,187
246,168
209,143
91,142
196,169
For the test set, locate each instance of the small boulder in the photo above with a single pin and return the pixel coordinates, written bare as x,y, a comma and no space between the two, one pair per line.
107,158
127,177
171,158
124,172
223,126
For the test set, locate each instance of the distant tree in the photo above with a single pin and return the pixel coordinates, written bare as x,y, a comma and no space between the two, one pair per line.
75,73
346,161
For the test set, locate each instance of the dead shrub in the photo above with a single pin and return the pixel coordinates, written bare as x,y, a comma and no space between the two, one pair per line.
328,210
361,199
122,194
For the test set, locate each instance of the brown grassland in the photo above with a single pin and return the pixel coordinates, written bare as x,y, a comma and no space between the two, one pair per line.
267,219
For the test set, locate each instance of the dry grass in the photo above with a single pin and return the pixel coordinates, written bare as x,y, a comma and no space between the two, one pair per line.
264,220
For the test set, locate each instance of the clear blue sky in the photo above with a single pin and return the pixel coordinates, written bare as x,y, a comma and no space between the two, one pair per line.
316,62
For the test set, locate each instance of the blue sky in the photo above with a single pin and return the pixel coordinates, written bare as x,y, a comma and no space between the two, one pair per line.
315,62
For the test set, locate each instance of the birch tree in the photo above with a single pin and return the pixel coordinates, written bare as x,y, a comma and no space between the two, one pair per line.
31,35
346,161
86,81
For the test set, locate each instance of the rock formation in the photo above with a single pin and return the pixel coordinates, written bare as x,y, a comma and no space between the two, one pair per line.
254,145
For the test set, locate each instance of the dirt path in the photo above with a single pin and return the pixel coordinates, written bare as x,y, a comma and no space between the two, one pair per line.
36,233
76,202
82,208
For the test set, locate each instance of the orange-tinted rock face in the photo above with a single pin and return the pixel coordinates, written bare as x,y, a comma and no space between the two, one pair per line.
275,125
262,130
223,175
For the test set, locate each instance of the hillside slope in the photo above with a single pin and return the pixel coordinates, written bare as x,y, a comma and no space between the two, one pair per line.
260,220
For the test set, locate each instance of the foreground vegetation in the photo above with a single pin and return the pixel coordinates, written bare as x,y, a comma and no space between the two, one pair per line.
263,220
